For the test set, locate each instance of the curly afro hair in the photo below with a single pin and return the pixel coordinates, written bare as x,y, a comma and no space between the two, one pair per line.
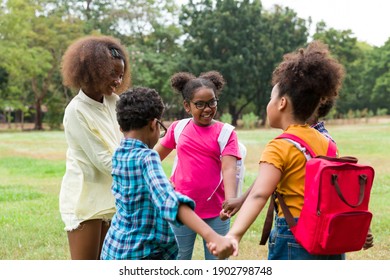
187,84
308,76
137,106
88,61
325,107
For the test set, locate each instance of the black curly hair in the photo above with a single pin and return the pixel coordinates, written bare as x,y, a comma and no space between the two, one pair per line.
137,106
325,108
187,84
308,76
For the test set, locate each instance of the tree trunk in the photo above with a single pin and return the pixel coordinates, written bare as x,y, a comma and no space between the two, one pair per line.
22,120
263,118
234,114
38,114
9,118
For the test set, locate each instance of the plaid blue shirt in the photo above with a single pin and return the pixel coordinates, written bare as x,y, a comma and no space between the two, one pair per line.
145,203
320,126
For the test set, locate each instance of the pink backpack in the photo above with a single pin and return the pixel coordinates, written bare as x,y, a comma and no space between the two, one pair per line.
335,218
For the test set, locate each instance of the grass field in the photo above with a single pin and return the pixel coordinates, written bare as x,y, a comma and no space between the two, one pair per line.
32,165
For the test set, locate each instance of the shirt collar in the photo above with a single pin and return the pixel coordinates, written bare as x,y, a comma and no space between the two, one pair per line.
133,143
91,101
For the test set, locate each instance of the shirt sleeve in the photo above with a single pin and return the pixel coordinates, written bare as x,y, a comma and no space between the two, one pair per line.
169,139
273,154
164,197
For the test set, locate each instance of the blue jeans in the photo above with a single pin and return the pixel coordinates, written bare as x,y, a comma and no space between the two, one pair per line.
186,238
283,246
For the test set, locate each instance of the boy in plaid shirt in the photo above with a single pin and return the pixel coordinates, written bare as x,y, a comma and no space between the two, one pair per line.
145,200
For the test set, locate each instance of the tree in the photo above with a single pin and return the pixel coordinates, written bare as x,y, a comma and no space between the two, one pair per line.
147,27
284,32
379,68
240,40
343,46
34,40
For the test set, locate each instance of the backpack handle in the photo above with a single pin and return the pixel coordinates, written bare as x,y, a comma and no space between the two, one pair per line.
362,183
346,159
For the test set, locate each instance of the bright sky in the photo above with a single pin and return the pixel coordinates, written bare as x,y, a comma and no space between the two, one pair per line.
369,20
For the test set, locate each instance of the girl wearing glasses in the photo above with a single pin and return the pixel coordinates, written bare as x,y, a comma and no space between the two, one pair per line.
202,172
145,199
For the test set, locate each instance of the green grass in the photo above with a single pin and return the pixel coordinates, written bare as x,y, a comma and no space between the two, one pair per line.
32,165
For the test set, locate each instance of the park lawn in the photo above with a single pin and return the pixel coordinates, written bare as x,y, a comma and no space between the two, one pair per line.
32,165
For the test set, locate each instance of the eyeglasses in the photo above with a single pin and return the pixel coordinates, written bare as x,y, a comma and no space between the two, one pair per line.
163,129
202,104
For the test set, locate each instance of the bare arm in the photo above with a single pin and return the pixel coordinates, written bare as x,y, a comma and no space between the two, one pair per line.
229,165
231,206
263,187
188,217
162,151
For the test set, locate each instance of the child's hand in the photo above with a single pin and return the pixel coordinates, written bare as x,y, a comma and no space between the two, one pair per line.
369,240
230,207
223,215
223,247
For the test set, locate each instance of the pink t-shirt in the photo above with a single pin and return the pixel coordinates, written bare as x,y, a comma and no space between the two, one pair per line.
198,170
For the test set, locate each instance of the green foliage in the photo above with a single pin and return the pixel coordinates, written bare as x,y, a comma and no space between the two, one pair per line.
226,118
350,114
34,41
55,112
358,114
3,78
367,81
377,76
332,114
243,42
240,39
250,120
381,112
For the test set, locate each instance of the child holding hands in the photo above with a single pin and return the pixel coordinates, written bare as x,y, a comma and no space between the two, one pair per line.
233,205
301,82
145,200
98,68
203,172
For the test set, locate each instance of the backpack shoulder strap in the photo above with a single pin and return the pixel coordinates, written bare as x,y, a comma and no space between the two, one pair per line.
179,128
224,135
298,140
331,152
176,133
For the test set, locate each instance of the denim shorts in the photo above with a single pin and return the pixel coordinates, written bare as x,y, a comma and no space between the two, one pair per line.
283,246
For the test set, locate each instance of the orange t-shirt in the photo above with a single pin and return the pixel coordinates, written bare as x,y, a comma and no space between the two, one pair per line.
291,162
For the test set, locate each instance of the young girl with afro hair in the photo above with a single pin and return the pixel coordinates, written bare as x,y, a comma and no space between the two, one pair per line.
302,81
98,68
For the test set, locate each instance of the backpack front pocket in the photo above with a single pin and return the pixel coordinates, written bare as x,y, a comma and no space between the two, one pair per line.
346,232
